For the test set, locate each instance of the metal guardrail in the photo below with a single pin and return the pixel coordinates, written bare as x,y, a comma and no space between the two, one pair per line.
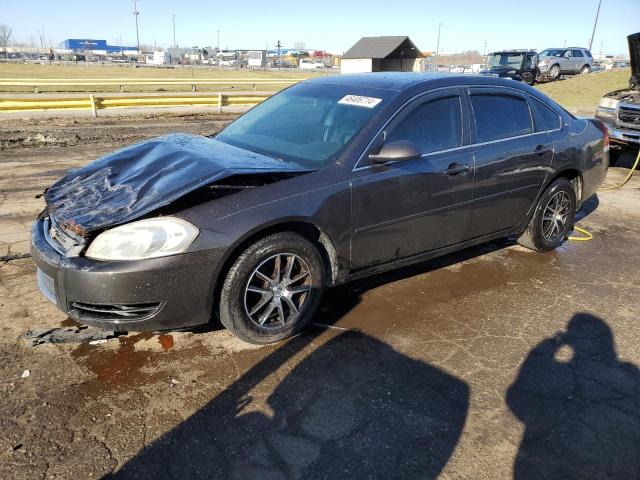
95,103
36,84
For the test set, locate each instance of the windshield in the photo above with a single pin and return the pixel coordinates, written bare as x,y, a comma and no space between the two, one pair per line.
308,124
552,52
513,60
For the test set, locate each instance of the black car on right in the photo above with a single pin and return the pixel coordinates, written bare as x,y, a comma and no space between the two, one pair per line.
521,65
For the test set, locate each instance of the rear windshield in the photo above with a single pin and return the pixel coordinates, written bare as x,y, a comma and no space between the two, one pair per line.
308,124
505,59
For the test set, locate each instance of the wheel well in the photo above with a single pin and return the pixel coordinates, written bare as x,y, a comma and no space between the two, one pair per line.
309,231
575,178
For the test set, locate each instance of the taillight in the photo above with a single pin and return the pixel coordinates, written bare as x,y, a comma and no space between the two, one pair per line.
605,132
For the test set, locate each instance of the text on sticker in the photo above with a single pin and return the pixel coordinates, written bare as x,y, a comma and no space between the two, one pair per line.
360,101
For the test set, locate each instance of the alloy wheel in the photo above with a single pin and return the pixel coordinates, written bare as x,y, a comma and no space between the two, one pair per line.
556,215
277,290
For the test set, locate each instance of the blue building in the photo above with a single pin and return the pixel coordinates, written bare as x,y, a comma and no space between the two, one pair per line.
98,47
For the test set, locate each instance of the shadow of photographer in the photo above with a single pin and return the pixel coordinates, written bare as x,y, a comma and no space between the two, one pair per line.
580,406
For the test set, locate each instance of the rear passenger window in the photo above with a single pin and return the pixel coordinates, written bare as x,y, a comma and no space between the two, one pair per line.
576,53
543,117
433,126
500,116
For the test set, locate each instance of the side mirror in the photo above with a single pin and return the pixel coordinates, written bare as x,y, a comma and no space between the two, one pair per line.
396,152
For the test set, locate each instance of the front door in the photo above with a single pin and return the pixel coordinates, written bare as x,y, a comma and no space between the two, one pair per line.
409,207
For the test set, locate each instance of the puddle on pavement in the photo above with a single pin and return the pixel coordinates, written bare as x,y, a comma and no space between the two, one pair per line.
408,295
116,368
127,361
166,341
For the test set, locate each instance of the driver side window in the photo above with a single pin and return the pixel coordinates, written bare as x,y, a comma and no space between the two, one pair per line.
433,126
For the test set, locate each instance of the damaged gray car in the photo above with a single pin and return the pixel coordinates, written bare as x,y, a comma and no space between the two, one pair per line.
332,179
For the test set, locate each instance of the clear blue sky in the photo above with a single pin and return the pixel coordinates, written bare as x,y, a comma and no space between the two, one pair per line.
329,24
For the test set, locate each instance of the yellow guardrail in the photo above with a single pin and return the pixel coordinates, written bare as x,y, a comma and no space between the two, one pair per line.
36,84
95,103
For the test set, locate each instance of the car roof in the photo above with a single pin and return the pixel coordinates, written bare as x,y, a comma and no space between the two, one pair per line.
515,50
400,81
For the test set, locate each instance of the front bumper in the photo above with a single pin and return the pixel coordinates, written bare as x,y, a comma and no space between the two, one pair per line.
142,295
623,135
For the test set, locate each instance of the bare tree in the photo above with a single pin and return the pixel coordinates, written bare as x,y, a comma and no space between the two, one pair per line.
5,36
299,45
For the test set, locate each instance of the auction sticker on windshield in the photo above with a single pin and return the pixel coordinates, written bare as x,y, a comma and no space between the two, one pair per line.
360,101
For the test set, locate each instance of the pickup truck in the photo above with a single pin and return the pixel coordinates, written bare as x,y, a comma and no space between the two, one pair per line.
620,110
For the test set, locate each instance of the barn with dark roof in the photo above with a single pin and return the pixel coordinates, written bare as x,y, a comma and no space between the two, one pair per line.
383,54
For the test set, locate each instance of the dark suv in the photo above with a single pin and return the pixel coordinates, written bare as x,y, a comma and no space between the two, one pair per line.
521,65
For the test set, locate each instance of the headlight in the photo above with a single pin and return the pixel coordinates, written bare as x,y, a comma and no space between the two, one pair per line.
150,238
607,102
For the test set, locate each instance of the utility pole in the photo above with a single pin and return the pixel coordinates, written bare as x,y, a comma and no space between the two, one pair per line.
174,30
218,40
595,22
484,50
278,45
438,44
135,14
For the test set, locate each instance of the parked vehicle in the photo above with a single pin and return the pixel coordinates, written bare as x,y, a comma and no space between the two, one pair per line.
518,65
311,65
554,62
332,179
620,110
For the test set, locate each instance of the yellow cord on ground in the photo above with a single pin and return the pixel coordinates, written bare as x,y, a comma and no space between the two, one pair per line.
587,235
586,238
629,175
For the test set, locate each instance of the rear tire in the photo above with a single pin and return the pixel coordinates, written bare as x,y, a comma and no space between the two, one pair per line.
552,218
586,69
261,301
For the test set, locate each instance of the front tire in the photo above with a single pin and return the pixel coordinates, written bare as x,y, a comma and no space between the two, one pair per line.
273,289
554,72
552,219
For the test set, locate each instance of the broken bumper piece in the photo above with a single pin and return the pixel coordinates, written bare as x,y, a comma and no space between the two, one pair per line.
153,294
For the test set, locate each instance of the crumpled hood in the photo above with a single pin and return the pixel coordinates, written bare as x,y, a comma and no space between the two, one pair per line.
133,181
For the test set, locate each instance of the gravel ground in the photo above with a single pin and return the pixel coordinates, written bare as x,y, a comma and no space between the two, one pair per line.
491,363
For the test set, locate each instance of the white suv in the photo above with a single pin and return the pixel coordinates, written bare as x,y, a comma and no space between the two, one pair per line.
554,62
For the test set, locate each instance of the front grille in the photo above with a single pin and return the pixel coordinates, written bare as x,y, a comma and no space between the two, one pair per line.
47,285
629,116
61,241
119,312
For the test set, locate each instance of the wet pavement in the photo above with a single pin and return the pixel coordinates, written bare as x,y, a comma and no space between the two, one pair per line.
494,362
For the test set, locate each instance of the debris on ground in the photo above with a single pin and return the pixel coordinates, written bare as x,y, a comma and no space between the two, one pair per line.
75,334
17,256
25,374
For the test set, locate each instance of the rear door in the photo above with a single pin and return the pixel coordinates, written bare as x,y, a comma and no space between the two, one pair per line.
511,159
409,207
578,60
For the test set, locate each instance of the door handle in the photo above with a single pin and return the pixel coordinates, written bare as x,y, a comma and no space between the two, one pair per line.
457,168
543,150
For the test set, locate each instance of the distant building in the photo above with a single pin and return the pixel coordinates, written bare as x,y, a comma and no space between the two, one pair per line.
95,47
257,58
383,54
